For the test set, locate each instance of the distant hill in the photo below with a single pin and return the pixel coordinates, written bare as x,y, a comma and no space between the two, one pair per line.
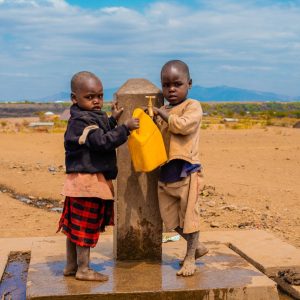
218,93
226,93
64,96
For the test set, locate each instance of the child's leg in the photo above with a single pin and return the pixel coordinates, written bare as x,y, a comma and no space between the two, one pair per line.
190,217
83,261
201,249
189,267
71,266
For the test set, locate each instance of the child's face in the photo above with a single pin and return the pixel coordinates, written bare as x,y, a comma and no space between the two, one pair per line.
89,95
175,84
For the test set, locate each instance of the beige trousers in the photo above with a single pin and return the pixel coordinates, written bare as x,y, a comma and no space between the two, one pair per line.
179,203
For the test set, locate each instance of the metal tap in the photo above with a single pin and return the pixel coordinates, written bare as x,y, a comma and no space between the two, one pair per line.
150,105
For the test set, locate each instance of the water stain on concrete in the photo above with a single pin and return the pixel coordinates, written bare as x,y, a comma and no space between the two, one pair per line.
139,243
13,284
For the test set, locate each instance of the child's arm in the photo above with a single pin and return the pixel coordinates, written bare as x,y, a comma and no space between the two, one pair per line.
188,122
100,141
82,133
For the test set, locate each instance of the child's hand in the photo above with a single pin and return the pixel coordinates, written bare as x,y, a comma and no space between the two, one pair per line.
159,112
133,123
156,110
115,111
145,109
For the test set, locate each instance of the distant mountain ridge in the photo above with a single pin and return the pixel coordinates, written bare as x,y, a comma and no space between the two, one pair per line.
64,96
227,93
217,93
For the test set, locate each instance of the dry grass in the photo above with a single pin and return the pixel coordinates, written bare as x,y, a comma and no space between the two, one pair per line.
213,122
9,125
15,125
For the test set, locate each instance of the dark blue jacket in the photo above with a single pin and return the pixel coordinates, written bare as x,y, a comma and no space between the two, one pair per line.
93,150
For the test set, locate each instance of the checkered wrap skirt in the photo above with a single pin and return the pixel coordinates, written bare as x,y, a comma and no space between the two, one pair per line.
83,219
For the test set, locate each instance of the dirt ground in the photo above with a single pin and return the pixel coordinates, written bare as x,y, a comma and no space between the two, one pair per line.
251,180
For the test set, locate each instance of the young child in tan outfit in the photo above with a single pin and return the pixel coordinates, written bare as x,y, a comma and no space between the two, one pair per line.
179,181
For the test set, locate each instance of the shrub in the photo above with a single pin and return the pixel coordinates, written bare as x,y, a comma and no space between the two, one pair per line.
204,126
25,123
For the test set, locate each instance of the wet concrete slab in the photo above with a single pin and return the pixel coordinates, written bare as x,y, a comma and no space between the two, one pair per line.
13,281
222,274
265,251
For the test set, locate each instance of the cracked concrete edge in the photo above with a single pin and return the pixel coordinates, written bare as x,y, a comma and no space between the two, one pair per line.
9,245
3,261
271,272
264,265
248,243
292,290
232,238
253,262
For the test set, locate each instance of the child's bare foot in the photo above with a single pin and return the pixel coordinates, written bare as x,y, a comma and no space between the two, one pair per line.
200,251
188,268
90,275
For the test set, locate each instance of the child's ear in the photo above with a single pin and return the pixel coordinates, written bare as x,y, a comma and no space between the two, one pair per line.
73,98
190,83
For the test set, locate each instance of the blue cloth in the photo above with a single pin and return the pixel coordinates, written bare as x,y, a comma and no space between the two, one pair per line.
177,169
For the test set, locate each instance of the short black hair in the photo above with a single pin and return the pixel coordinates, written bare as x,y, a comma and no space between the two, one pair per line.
79,77
178,63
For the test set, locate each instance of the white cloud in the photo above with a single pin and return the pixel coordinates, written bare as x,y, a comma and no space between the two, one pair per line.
114,10
60,4
245,68
50,40
7,74
21,2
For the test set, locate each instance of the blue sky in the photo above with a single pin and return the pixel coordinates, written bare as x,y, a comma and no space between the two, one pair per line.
251,44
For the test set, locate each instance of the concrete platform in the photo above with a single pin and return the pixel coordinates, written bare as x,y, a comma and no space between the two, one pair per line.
8,245
264,251
222,274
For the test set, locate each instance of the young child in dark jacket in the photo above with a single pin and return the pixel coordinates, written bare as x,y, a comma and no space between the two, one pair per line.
90,142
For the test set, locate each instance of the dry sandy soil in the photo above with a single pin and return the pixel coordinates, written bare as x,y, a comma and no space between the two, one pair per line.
251,181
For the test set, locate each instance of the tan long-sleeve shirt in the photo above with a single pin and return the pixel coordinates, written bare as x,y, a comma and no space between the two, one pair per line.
182,132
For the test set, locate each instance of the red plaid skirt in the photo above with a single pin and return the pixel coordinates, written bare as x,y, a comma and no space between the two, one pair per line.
83,219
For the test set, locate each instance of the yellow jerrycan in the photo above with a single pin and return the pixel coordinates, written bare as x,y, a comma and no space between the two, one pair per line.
146,145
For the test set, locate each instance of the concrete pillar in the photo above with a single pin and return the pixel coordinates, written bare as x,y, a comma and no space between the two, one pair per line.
138,228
